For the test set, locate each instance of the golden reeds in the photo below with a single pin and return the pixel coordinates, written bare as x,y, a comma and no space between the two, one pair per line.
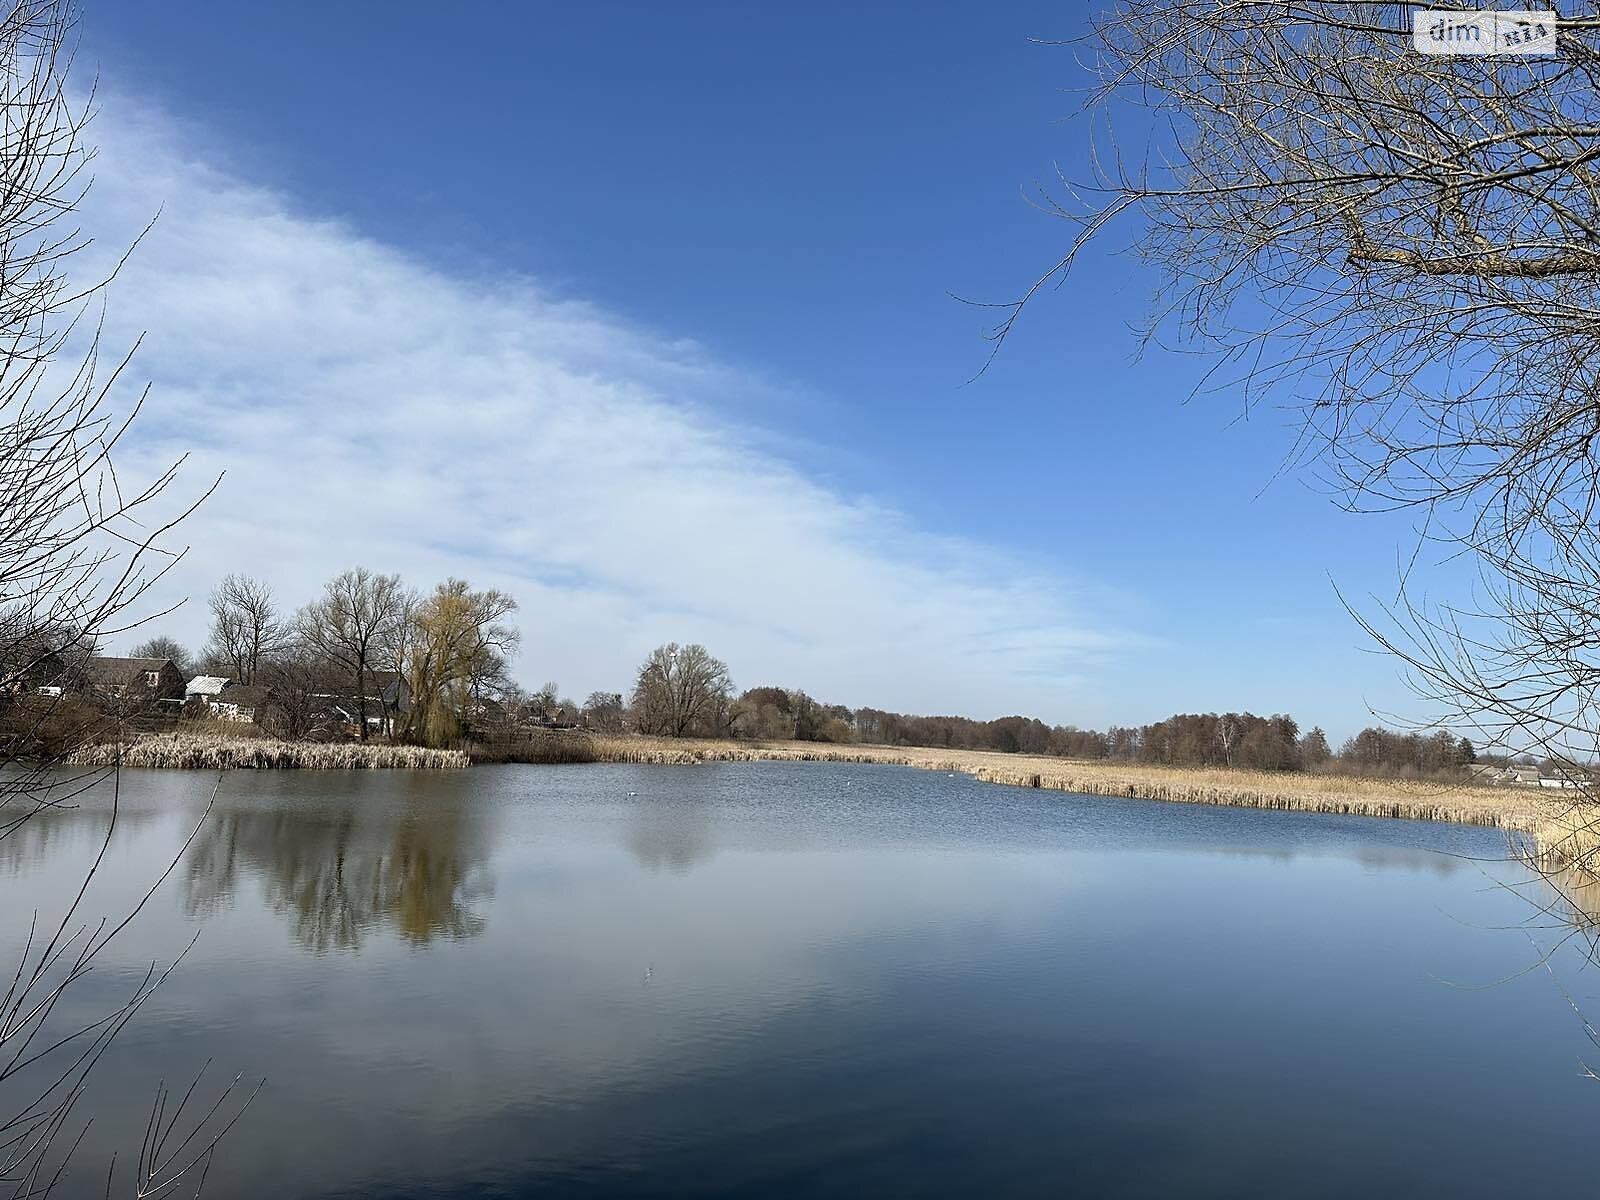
1508,808
212,752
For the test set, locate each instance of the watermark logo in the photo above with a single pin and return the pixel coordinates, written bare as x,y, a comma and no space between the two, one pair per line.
1461,31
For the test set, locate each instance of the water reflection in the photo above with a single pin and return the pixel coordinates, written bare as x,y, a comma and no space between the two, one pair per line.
345,867
52,832
795,980
671,835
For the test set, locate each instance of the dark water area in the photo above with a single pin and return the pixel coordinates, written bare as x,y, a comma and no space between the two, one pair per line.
820,980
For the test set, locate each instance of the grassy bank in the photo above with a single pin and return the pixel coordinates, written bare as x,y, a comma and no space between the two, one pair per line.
212,752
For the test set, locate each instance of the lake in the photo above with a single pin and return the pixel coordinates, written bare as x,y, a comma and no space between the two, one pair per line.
814,979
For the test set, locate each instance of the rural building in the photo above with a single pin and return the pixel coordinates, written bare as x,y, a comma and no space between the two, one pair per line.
240,702
1569,777
136,680
388,697
41,663
205,688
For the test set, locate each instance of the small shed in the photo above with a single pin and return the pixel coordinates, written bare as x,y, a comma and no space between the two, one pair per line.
205,687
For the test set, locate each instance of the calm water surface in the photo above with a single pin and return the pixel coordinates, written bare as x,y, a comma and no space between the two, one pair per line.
819,980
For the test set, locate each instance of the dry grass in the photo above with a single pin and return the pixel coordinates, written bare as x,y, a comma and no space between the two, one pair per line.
1516,809
213,752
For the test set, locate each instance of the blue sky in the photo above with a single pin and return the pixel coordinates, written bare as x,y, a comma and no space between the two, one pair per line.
747,220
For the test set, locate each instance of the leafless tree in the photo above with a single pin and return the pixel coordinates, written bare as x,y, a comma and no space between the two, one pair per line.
682,690
79,548
299,679
245,628
603,712
164,647
355,624
1407,247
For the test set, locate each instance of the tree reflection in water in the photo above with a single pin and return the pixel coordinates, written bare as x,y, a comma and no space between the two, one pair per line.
675,835
343,867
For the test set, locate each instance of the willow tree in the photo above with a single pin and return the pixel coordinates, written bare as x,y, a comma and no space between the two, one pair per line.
453,648
1407,247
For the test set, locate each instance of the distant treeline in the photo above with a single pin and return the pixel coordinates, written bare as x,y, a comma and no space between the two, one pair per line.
685,691
1239,740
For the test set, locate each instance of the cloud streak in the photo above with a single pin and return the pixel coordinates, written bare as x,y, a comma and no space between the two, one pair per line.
369,407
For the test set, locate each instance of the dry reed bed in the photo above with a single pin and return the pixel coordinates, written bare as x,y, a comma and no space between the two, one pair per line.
1517,810
212,752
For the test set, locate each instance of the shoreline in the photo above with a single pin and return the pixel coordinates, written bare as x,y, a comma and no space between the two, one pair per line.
1518,811
1564,831
1552,819
217,752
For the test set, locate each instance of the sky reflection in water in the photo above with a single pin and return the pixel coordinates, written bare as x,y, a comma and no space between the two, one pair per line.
815,979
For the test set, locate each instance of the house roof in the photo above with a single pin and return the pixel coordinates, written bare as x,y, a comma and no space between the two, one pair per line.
206,685
106,669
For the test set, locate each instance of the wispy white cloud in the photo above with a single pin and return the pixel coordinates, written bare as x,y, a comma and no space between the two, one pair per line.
368,407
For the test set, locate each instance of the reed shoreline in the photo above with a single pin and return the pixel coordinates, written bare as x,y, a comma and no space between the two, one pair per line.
1550,818
1515,810
215,752
1557,832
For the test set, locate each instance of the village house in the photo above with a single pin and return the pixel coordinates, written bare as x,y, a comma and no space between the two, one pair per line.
204,688
1522,775
388,698
41,663
239,702
133,681
1566,777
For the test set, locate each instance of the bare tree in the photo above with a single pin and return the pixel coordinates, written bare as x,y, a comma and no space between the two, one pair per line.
165,647
1407,247
79,549
682,690
1229,730
245,628
298,677
603,712
355,623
